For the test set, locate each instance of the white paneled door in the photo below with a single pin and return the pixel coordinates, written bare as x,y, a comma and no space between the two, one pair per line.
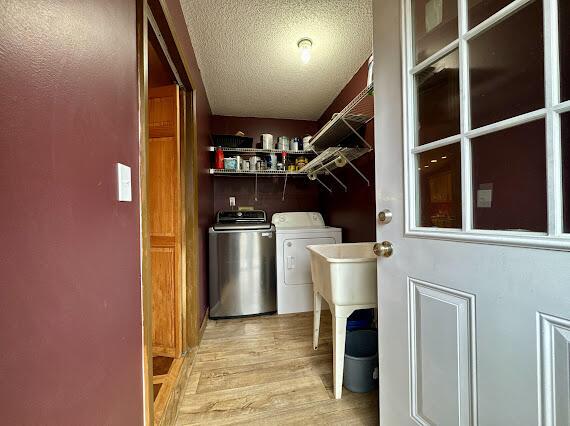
472,101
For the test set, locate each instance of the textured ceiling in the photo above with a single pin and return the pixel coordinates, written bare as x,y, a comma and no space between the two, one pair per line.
250,63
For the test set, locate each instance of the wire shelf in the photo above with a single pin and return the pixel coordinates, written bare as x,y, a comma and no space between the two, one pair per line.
333,158
226,172
261,151
346,123
330,146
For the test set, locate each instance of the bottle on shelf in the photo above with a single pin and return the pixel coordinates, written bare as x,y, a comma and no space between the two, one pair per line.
219,161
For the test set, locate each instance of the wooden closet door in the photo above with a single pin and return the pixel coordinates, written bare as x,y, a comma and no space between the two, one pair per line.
165,219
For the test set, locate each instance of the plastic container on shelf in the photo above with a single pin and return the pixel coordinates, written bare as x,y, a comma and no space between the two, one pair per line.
230,163
219,161
294,144
283,143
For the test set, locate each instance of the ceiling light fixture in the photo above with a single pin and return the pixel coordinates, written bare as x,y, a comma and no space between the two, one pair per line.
305,45
434,161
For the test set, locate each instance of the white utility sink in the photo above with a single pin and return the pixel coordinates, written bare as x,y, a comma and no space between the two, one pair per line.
345,276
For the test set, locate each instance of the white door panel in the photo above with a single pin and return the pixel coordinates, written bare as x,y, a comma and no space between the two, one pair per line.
469,333
554,354
441,354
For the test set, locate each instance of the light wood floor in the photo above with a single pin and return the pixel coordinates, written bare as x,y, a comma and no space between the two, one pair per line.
263,370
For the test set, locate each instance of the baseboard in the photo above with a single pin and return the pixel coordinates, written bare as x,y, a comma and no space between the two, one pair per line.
203,326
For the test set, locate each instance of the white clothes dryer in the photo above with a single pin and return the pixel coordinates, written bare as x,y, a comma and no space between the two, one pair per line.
295,231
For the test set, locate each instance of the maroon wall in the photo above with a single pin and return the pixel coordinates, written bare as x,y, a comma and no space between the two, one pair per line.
355,210
203,115
70,261
254,127
300,194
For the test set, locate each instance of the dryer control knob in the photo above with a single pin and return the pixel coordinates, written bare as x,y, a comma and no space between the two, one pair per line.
289,244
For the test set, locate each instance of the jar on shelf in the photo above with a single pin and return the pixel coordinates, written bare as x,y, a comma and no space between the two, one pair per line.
294,145
283,143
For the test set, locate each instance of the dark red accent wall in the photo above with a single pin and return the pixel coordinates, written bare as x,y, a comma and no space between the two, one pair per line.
300,194
70,309
203,115
254,127
354,211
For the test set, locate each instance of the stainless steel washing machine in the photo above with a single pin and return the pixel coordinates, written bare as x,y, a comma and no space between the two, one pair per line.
242,265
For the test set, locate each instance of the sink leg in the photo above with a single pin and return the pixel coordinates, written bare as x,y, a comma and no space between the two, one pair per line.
376,317
316,319
339,337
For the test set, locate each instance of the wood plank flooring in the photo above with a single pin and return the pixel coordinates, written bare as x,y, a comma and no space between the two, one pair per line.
264,370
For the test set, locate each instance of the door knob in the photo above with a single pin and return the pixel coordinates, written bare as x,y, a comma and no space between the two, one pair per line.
385,216
383,249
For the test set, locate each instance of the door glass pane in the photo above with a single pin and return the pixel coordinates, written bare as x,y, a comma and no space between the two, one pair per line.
565,118
440,187
509,179
564,25
435,26
438,99
479,10
507,68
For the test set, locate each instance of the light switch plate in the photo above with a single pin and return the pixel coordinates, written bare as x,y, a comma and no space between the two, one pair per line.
124,192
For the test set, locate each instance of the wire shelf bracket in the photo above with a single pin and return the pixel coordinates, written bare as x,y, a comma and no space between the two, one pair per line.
327,143
346,123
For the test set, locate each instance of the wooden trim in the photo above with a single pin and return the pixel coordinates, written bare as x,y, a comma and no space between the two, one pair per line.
192,332
181,256
192,240
163,18
204,324
146,283
182,217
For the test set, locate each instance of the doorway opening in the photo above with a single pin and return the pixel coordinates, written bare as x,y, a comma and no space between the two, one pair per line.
169,209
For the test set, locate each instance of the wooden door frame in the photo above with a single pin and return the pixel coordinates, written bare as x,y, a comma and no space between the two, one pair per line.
189,190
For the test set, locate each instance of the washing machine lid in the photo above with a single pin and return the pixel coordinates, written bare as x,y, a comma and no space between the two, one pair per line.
298,220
